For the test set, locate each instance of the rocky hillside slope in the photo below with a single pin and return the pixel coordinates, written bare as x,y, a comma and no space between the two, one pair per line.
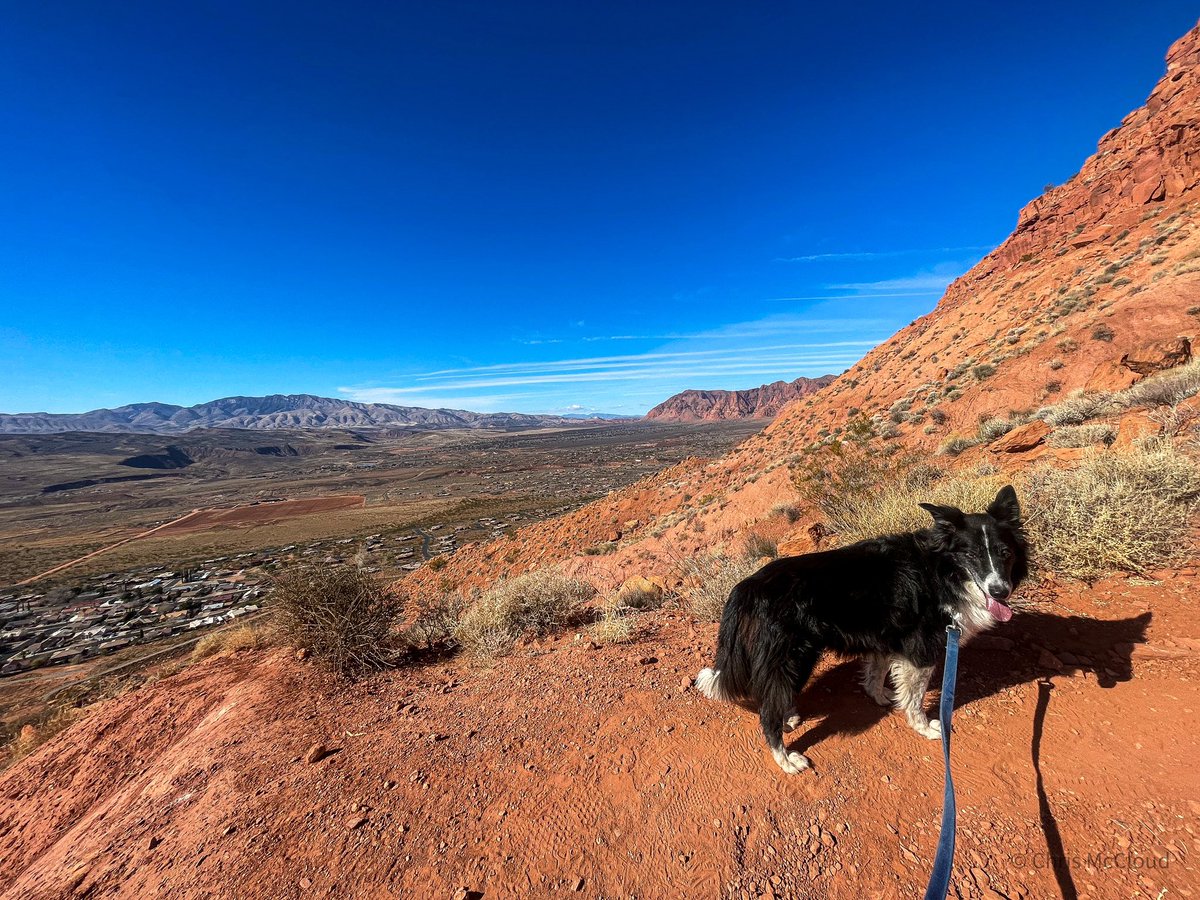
762,402
1100,271
263,413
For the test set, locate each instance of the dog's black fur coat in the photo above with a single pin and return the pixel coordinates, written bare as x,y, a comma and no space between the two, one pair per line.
890,597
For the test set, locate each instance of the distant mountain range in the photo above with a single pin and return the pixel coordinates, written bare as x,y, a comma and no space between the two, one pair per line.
276,411
755,403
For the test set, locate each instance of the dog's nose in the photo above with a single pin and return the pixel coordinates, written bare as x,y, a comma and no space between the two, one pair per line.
999,591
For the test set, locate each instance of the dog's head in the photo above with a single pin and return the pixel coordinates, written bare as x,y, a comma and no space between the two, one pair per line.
988,549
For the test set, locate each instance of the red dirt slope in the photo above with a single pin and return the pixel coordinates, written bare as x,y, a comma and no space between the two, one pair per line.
600,773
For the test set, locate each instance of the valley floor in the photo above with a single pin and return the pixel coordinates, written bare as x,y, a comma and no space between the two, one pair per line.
600,772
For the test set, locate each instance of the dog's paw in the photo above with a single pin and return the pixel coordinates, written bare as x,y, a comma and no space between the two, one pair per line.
931,729
792,723
792,763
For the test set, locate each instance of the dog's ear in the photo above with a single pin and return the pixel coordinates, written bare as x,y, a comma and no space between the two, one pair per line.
945,515
1005,508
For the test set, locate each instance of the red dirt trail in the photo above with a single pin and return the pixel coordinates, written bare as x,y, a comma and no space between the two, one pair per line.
601,773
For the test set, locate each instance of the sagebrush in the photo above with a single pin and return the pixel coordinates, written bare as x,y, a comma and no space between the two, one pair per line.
535,603
711,577
1116,511
342,615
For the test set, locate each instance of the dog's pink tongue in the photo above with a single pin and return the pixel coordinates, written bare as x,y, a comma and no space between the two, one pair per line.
999,611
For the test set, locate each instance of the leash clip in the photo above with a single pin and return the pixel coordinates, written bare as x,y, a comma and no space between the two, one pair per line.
955,623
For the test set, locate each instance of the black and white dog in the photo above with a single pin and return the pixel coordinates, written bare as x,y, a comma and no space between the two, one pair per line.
887,600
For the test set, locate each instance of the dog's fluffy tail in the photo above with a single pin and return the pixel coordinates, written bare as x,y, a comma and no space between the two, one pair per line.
708,682
729,678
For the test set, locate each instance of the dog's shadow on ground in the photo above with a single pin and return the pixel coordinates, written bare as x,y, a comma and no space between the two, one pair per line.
1033,647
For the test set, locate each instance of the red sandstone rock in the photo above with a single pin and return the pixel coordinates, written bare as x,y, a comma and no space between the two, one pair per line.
756,403
1022,438
1157,356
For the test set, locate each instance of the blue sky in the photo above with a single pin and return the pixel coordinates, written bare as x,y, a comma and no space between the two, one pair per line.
518,206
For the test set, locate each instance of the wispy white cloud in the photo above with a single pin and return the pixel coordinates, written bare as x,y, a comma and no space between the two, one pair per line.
859,255
929,282
741,354
606,363
935,280
608,376
854,296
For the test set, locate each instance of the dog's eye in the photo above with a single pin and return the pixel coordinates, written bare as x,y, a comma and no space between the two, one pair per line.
1005,553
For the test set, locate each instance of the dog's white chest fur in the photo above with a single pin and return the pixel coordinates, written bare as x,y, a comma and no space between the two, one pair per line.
975,617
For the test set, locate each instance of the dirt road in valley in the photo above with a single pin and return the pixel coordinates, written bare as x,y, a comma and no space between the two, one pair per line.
602,773
242,515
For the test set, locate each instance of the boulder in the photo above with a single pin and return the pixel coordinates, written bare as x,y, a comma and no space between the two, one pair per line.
1152,189
1158,356
1022,438
638,592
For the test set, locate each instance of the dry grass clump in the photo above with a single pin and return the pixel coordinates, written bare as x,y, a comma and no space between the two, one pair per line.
437,618
756,546
1162,389
990,429
1165,388
956,444
615,626
892,505
26,737
344,617
1082,435
535,603
1126,511
1078,407
232,639
713,576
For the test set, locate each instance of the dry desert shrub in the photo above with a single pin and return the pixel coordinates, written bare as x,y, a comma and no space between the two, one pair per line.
535,603
438,617
892,506
28,736
713,577
990,429
1082,435
956,444
1165,388
1127,511
615,626
1162,389
238,637
789,511
344,617
1078,407
756,546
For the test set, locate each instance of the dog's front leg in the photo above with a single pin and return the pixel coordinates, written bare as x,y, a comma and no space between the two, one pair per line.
911,684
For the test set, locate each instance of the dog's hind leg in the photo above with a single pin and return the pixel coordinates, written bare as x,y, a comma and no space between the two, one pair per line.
777,709
874,678
911,684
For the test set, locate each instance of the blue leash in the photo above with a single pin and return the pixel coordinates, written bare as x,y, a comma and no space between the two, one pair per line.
939,881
